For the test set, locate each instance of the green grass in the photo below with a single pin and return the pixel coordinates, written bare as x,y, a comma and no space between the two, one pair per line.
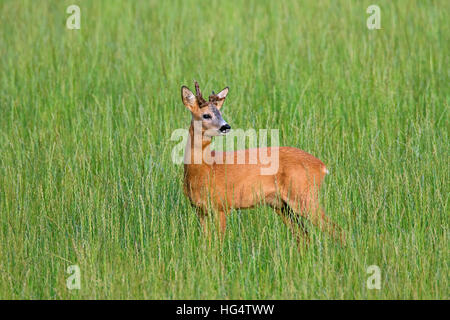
86,175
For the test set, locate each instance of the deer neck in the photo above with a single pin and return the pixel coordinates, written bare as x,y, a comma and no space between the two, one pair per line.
197,150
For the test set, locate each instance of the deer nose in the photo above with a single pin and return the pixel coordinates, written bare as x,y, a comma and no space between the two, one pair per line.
225,128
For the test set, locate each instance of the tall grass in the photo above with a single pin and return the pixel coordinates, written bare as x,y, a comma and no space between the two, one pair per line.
87,178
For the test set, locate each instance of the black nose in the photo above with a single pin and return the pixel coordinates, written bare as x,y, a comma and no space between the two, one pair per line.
225,128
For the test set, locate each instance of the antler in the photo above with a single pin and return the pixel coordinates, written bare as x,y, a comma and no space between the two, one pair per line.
214,97
202,102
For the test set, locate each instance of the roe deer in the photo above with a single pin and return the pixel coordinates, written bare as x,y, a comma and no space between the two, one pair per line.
214,181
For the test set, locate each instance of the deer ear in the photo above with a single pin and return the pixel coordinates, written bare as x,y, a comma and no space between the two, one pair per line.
222,95
189,99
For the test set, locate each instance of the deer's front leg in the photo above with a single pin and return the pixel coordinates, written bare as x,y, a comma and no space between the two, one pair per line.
222,223
201,214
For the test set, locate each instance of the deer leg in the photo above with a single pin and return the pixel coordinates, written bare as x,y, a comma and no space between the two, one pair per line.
309,208
201,213
326,225
204,223
222,223
294,222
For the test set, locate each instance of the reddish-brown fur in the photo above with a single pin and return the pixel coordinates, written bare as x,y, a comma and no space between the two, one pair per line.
218,185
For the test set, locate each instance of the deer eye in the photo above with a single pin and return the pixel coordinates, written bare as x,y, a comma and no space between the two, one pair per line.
206,116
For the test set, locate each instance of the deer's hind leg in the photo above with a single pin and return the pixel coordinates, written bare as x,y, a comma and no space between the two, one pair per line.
306,203
295,223
290,219
309,208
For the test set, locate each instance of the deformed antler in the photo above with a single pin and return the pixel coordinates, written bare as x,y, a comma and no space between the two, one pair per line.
214,97
201,102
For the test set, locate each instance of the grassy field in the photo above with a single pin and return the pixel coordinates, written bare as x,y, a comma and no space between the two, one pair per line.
87,179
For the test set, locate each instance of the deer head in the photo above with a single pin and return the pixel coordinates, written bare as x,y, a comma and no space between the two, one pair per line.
208,112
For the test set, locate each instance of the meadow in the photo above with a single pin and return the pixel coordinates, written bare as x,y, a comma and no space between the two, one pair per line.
86,173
